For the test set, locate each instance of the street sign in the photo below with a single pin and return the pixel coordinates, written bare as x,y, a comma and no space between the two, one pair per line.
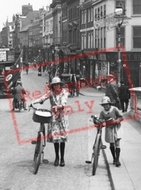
110,22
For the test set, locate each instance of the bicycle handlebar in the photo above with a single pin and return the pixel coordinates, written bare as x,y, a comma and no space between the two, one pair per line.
54,108
108,121
95,119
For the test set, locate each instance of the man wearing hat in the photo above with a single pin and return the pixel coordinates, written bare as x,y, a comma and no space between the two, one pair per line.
112,90
124,95
18,93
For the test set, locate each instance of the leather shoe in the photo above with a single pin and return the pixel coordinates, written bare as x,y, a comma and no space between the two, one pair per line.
56,162
118,164
62,163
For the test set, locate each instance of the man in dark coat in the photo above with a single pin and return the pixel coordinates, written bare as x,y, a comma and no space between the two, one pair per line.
124,95
112,90
18,94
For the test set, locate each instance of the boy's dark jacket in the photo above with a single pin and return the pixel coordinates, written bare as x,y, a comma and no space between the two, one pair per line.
124,92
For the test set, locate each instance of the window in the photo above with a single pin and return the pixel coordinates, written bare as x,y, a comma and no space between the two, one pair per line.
104,11
136,7
83,41
89,15
47,26
77,12
82,17
137,37
89,40
96,38
51,25
122,36
96,14
92,46
101,38
71,16
101,11
85,17
104,37
74,36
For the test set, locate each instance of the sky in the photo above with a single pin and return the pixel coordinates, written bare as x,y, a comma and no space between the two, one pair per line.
10,7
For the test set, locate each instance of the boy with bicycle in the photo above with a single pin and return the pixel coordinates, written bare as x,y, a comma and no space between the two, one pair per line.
113,134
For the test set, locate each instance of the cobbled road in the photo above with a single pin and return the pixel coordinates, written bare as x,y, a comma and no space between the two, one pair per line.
16,152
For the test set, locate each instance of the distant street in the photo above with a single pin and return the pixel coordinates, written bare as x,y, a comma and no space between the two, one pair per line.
16,155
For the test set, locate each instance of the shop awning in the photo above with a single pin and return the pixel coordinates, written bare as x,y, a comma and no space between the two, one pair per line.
66,50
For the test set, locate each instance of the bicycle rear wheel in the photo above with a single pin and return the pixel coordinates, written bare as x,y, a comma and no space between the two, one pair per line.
38,152
96,155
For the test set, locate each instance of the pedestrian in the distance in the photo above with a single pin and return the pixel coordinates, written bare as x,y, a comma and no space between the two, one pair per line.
112,90
124,95
113,133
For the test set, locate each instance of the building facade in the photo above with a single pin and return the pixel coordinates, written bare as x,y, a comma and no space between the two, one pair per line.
78,27
87,62
106,36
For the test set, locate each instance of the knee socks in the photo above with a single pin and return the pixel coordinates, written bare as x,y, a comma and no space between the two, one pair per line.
56,147
117,154
62,149
112,148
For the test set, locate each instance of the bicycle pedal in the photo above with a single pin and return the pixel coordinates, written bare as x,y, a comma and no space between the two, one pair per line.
45,161
103,147
33,142
88,162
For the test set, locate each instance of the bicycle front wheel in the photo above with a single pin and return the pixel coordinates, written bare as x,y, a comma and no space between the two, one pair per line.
38,152
96,155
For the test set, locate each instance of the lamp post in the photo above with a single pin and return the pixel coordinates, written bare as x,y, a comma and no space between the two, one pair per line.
120,16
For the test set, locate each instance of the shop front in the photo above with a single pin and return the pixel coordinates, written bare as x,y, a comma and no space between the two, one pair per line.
101,70
130,66
64,54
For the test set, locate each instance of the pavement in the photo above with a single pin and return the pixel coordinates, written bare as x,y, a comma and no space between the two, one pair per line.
128,175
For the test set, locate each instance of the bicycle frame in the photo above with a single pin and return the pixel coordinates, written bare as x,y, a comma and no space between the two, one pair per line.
41,141
97,146
39,148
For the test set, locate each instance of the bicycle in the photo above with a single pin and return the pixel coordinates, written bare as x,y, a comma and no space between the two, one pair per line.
41,116
97,146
